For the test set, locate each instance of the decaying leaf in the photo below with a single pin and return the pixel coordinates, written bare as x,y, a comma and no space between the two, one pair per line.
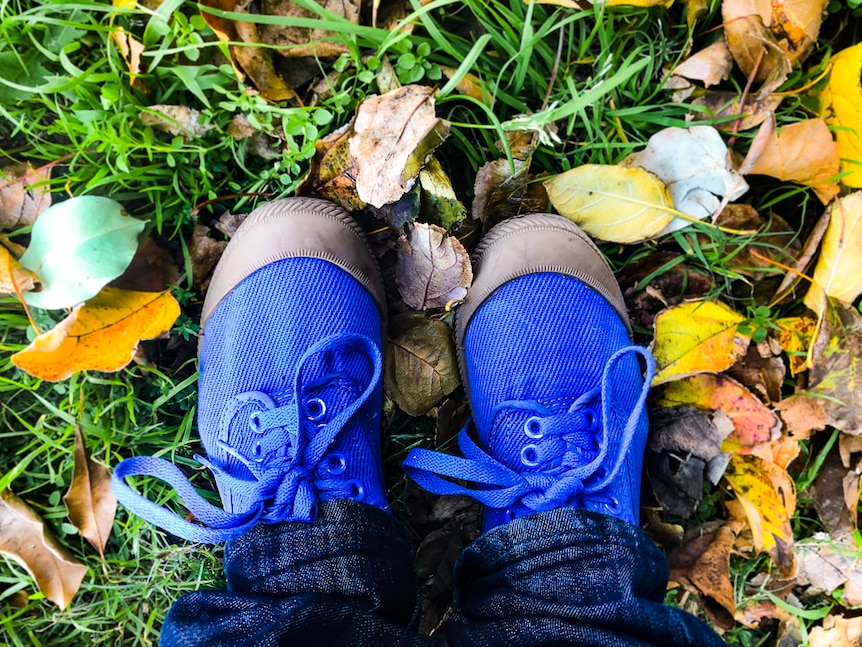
433,268
836,631
753,422
20,204
228,223
295,42
440,205
836,497
13,275
711,573
420,368
204,252
828,564
24,538
795,337
333,171
748,114
841,108
395,135
623,205
837,367
838,273
130,49
152,270
710,66
77,247
90,502
694,165
802,415
696,337
766,499
176,120
803,152
101,335
502,191
761,370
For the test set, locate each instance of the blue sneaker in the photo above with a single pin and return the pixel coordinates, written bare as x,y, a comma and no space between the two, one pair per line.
290,377
554,382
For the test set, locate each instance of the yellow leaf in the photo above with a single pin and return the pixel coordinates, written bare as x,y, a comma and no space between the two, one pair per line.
767,499
640,3
795,339
753,422
838,273
13,275
623,205
841,107
101,335
696,337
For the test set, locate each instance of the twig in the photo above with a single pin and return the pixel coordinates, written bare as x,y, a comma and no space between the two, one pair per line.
745,91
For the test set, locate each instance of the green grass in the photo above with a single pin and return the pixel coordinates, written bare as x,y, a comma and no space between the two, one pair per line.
65,97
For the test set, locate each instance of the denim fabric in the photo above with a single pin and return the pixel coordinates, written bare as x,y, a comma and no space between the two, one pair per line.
567,576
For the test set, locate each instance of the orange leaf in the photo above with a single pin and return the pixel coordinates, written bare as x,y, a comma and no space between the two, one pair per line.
101,335
12,274
753,422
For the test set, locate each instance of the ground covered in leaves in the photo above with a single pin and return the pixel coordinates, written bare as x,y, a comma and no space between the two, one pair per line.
711,148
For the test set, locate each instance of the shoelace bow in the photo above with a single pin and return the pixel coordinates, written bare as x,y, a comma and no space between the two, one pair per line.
563,458
283,465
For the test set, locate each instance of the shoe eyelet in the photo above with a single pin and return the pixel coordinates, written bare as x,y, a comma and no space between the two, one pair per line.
592,419
594,444
533,427
336,464
530,455
614,504
258,453
601,473
254,422
357,492
509,514
315,409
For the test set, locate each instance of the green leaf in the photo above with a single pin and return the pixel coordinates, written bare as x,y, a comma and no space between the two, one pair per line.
78,247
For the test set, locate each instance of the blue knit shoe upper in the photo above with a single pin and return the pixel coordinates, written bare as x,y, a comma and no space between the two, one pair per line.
558,400
289,401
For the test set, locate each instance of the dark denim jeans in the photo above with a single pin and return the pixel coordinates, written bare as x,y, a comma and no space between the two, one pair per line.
567,576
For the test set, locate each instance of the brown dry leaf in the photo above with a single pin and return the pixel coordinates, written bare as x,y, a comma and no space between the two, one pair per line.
836,631
248,60
711,573
750,41
433,268
838,273
837,367
502,191
711,65
24,538
20,204
753,423
295,42
795,338
395,135
333,171
420,368
101,335
802,152
152,270
830,492
131,50
13,275
696,337
228,223
176,120
90,503
204,253
750,114
470,85
762,370
802,415
827,564
766,499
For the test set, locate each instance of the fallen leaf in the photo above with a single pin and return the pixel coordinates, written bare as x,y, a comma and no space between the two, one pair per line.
13,275
766,499
177,120
294,41
420,368
837,364
748,114
837,514
502,190
24,538
20,204
623,205
761,370
440,205
802,415
77,247
847,446
101,335
433,268
333,171
752,44
841,106
152,270
696,337
470,85
711,65
204,253
753,422
711,574
795,336
693,163
828,564
802,152
90,503
838,273
402,211
228,223
836,631
130,49
395,135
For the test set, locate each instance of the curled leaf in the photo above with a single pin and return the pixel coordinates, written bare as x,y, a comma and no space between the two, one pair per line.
20,204
13,275
710,65
433,268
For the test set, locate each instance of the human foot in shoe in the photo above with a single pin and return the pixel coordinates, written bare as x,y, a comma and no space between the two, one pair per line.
290,366
554,382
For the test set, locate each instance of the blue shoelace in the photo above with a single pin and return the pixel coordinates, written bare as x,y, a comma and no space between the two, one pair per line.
285,463
564,460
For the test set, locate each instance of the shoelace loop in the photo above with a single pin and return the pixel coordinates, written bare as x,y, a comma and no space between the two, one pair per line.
286,463
564,461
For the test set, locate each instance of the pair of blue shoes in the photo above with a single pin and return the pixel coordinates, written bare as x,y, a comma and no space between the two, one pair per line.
290,387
